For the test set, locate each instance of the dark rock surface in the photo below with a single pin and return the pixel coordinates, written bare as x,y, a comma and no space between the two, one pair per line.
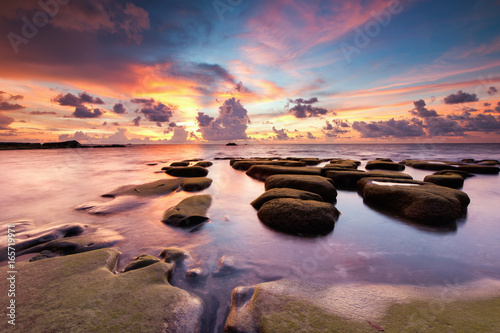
156,188
261,172
246,164
196,184
347,180
193,171
204,164
179,164
188,212
141,261
315,184
276,193
448,179
384,165
480,169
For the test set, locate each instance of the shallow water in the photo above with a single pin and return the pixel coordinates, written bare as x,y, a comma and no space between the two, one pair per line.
43,187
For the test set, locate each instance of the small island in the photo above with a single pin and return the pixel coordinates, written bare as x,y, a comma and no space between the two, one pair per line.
51,145
231,144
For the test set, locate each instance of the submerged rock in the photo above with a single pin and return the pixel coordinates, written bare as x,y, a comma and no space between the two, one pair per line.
297,216
261,172
81,293
117,205
156,188
193,171
448,179
174,254
384,165
419,201
276,193
190,211
196,184
316,184
347,180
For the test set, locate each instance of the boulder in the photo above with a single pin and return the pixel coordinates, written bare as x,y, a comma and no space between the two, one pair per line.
141,261
448,179
179,164
193,171
479,169
246,164
190,211
174,254
343,164
204,164
297,216
384,165
316,184
346,180
156,188
261,172
276,193
433,165
419,201
310,161
82,293
196,184
488,162
462,173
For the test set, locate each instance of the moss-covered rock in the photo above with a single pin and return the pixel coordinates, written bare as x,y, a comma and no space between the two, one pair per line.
347,180
204,164
424,202
297,216
448,179
81,293
315,184
196,184
190,211
276,193
192,171
141,261
384,165
156,188
479,169
261,172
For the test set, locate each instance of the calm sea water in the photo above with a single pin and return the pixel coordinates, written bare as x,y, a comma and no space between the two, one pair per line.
42,187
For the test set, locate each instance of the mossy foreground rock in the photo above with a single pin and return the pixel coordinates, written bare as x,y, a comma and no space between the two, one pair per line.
261,172
297,216
196,184
316,184
419,201
347,180
190,211
448,179
276,193
80,293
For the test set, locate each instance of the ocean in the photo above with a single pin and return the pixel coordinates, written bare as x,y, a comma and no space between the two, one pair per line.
40,189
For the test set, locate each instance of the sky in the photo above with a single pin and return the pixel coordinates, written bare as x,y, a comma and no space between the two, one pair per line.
249,71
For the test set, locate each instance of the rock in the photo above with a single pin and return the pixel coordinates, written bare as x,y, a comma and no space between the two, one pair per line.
384,165
194,171
343,163
419,201
261,172
194,273
346,180
225,265
488,162
196,184
173,254
462,173
189,211
204,164
316,184
91,240
81,293
310,161
246,164
156,188
449,179
141,261
276,193
468,160
117,205
480,169
430,164
384,159
152,164
297,216
179,164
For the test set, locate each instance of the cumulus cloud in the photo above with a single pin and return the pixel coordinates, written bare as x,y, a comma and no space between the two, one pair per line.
460,97
335,128
204,120
5,122
421,111
390,128
281,134
491,91
310,136
84,112
136,121
119,108
155,111
443,127
480,123
76,101
304,108
230,124
5,100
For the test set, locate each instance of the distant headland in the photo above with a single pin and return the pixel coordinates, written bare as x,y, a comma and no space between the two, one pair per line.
51,145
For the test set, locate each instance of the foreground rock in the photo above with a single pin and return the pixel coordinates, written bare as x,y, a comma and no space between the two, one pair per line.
340,163
261,172
188,212
196,184
204,164
276,193
418,201
448,179
315,184
193,171
81,293
156,188
462,173
297,216
384,165
347,180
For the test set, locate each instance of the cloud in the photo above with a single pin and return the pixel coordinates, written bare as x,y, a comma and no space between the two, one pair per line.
5,122
230,124
203,120
119,108
443,127
487,104
84,112
5,104
72,100
491,91
480,123
421,111
460,97
180,135
310,136
40,113
335,127
155,111
281,134
304,108
390,128
136,121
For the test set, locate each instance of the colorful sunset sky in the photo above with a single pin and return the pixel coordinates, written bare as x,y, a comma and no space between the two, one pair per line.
289,71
